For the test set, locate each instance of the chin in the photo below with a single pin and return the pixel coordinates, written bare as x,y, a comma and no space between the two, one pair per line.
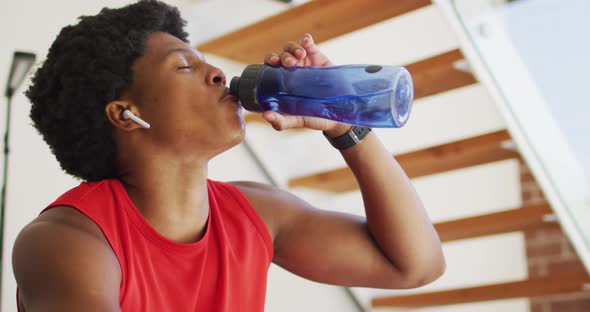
239,136
240,129
231,138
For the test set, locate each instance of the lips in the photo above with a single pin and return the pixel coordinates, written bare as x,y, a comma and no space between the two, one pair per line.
226,95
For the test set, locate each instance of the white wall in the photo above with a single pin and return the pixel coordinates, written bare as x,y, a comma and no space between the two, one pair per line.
35,178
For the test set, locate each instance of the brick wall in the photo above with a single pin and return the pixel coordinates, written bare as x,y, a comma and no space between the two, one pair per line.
550,252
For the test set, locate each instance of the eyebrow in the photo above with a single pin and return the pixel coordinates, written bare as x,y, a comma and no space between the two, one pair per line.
187,51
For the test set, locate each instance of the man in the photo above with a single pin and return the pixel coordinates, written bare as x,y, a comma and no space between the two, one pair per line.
147,231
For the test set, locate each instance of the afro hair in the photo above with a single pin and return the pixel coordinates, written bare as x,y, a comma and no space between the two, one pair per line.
87,66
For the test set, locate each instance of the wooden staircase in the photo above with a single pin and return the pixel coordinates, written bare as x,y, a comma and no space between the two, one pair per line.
328,19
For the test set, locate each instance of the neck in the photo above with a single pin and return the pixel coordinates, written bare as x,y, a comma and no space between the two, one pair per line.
171,195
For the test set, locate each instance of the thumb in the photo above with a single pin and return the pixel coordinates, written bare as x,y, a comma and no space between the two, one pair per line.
281,122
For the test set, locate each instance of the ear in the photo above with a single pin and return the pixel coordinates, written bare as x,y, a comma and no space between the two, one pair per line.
114,111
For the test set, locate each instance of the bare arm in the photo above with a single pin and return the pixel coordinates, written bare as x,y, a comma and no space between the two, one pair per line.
396,218
60,265
394,247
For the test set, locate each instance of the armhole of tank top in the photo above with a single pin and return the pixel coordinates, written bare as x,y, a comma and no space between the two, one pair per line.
122,288
252,214
18,309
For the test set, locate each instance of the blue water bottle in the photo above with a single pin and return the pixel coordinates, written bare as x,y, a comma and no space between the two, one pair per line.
375,96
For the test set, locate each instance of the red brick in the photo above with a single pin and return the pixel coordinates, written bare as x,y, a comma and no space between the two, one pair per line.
568,249
538,307
548,249
533,199
537,269
529,186
579,305
527,177
523,167
531,196
542,235
549,252
568,266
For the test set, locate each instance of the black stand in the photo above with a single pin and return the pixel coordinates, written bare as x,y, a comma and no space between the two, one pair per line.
21,64
4,182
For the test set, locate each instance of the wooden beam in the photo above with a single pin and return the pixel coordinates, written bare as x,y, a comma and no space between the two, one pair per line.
325,19
431,76
456,155
534,287
438,74
494,223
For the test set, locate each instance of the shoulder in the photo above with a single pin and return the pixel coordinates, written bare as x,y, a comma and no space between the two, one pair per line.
63,254
277,208
259,196
263,196
253,188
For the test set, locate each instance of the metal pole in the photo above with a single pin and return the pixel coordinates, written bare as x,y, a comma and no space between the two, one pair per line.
4,182
273,182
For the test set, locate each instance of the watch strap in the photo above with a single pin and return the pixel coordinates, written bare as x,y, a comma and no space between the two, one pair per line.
349,139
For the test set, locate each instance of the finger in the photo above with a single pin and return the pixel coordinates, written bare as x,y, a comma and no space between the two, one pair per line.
287,59
315,56
272,59
280,122
295,49
308,44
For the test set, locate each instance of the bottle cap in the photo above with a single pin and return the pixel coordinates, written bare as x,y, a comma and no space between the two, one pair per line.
245,87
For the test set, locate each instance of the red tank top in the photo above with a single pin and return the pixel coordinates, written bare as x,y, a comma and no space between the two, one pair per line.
226,270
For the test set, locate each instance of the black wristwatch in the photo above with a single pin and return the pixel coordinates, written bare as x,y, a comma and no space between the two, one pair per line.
349,139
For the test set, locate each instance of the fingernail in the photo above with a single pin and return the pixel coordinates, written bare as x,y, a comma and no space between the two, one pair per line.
274,58
306,36
289,59
298,52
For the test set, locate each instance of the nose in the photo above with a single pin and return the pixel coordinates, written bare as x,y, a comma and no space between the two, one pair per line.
216,76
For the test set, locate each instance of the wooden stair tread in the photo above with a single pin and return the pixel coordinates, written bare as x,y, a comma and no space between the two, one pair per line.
325,19
494,223
473,151
532,287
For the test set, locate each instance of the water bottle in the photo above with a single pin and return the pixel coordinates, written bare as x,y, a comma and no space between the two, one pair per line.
377,96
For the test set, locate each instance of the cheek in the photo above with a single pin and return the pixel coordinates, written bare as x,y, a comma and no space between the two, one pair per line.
172,103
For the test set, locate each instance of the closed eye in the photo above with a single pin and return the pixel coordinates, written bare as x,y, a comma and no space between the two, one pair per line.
183,67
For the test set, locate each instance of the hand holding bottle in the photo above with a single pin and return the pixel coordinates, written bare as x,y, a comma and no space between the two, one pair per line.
302,53
301,88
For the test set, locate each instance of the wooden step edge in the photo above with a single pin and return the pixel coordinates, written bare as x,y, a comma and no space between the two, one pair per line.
532,287
325,19
482,149
517,219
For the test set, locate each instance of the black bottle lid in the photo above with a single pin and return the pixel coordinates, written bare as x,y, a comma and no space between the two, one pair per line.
245,87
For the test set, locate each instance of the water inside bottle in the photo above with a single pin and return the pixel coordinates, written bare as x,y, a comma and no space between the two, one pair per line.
358,99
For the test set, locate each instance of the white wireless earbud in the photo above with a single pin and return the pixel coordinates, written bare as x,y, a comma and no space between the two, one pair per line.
127,114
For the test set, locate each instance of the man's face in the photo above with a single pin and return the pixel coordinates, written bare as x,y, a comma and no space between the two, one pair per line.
184,98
